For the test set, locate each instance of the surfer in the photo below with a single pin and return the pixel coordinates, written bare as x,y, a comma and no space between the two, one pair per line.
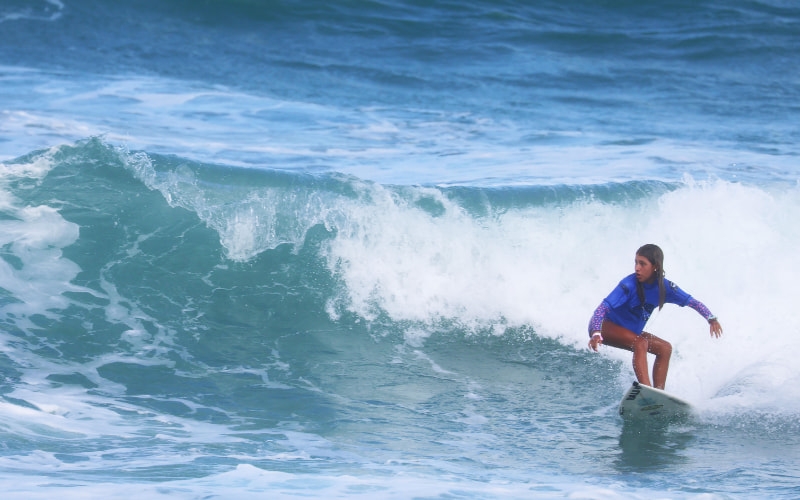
620,319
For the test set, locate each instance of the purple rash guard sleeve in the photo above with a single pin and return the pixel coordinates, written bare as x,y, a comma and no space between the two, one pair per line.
596,323
700,308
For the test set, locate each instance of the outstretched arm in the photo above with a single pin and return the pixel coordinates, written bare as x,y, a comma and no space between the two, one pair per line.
714,326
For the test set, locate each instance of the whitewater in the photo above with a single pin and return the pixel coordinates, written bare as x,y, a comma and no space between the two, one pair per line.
303,249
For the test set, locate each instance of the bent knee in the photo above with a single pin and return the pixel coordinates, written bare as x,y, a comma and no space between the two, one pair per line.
660,348
641,343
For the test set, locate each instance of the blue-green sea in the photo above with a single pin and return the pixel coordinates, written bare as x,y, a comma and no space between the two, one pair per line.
349,249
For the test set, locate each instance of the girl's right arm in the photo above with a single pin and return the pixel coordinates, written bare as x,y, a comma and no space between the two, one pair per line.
596,325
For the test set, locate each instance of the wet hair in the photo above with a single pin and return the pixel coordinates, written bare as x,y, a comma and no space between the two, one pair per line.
656,257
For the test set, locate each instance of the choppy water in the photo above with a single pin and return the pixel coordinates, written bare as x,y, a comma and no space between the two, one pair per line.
310,249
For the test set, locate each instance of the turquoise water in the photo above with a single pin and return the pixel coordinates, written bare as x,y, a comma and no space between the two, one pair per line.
297,249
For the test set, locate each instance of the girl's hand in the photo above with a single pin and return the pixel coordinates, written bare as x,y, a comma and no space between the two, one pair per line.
597,339
715,328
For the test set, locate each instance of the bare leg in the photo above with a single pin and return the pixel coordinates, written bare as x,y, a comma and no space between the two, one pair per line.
639,348
622,338
663,352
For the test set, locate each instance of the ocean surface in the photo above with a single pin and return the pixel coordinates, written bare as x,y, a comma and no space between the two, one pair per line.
349,249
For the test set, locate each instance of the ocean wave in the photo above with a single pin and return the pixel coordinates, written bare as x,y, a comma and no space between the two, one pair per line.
154,306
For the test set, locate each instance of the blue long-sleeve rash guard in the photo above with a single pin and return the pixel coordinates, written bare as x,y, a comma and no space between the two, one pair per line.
624,308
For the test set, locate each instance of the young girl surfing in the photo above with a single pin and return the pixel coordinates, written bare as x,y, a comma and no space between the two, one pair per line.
620,319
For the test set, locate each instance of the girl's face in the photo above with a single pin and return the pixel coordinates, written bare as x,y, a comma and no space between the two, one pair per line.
645,272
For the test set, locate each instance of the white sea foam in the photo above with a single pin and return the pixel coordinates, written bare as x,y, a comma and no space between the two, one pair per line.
730,245
35,10
35,236
250,482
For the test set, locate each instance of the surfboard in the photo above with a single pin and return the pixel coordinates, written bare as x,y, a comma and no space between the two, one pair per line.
642,403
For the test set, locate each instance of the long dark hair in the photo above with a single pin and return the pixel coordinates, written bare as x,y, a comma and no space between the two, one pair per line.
656,257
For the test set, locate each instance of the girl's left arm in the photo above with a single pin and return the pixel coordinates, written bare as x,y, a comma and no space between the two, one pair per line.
715,327
701,309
